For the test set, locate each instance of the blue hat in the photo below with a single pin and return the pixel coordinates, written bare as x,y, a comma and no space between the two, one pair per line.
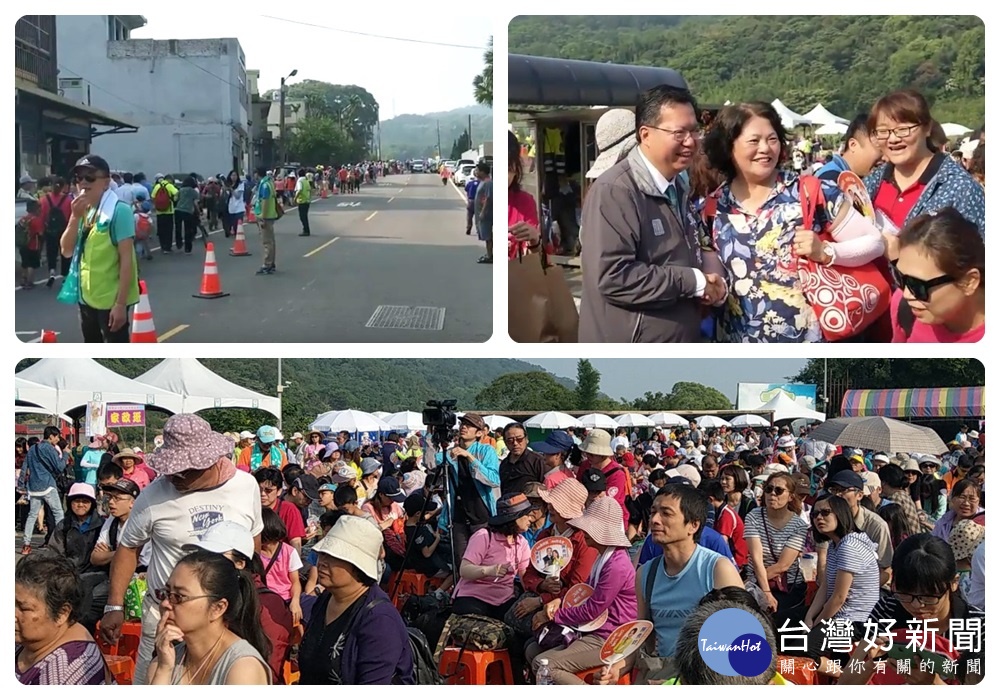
556,442
351,446
267,433
388,486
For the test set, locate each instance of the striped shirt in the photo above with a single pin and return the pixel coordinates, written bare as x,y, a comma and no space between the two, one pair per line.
854,554
792,535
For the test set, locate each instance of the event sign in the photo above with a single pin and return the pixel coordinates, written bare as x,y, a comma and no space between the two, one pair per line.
576,596
96,423
625,640
126,415
551,555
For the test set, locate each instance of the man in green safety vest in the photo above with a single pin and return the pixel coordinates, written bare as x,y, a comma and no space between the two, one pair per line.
303,196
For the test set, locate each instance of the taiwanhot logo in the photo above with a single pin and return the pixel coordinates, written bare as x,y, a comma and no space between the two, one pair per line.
732,643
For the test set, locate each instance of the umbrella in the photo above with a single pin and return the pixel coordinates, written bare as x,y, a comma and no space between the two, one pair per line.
634,420
404,420
496,422
351,421
552,420
951,129
749,420
879,433
382,415
668,420
711,422
598,420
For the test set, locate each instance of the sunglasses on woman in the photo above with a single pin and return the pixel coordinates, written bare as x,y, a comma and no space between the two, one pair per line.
920,289
176,598
821,512
776,490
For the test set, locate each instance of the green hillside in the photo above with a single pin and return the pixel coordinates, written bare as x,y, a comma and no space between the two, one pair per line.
317,385
846,62
416,135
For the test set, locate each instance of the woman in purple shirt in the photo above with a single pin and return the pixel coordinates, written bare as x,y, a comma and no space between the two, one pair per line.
613,581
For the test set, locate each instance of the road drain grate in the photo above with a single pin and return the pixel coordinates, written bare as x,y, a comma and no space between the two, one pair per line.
411,318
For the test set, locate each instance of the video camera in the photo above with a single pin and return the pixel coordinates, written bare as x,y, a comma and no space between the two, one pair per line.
440,414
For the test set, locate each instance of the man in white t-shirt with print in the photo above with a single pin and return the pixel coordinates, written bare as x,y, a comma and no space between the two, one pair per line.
198,486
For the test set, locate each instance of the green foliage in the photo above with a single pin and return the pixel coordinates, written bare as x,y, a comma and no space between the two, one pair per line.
482,84
895,373
416,135
844,61
460,145
319,139
684,396
526,391
588,385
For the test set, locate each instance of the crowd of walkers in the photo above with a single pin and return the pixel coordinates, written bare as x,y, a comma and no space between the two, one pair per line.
233,557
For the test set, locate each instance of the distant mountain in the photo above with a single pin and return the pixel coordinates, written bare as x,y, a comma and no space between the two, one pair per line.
416,135
317,385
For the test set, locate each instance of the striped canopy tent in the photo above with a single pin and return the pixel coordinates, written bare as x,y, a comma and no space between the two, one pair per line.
941,402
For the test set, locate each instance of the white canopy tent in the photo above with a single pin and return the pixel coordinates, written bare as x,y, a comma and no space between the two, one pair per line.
404,420
497,422
634,420
381,414
81,380
201,388
789,119
45,397
951,130
832,130
598,420
787,408
821,115
552,420
749,420
27,410
667,420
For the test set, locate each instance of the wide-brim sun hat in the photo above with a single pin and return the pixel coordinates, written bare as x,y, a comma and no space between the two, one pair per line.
355,541
188,443
597,442
509,508
602,520
615,136
225,536
567,498
126,453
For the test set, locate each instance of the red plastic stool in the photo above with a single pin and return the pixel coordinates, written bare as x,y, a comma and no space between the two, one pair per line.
127,644
411,583
476,667
122,668
588,676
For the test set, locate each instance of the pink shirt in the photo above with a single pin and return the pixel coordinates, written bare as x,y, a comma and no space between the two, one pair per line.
488,549
557,475
926,333
139,476
279,578
520,207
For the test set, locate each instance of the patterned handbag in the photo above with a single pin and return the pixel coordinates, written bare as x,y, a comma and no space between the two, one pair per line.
846,299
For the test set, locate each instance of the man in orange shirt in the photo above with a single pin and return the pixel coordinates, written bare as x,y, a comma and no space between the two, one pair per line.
265,452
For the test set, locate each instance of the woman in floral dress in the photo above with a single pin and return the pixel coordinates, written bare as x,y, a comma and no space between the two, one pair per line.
758,230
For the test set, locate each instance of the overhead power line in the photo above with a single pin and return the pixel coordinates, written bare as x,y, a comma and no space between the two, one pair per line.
377,36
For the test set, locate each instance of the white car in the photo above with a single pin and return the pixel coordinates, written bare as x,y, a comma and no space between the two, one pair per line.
463,174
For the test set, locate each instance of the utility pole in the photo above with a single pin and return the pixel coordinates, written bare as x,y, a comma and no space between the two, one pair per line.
826,389
281,135
470,132
439,138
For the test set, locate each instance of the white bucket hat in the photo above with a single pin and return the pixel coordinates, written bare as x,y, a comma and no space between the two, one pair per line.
615,136
356,541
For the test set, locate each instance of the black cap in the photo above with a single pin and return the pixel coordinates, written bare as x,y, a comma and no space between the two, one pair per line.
126,486
594,480
414,503
92,162
308,485
388,486
848,479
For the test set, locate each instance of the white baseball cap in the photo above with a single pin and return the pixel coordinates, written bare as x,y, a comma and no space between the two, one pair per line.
223,537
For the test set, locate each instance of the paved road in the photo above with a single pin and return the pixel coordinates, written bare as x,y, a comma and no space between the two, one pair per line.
399,243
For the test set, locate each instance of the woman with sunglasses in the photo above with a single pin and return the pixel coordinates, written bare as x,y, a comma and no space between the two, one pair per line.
775,537
940,273
211,609
850,587
924,588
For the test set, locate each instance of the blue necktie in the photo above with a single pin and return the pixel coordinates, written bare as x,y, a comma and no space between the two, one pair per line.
671,193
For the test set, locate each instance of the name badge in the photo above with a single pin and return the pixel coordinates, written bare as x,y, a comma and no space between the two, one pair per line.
658,229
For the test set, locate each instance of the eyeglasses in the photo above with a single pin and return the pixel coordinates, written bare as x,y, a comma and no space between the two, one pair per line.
120,497
839,490
821,512
517,440
162,594
920,289
680,135
922,599
89,178
269,491
966,499
776,490
900,132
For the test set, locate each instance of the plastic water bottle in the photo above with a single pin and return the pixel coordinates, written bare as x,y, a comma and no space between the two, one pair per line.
544,675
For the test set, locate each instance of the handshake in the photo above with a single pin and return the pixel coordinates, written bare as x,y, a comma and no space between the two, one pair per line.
716,290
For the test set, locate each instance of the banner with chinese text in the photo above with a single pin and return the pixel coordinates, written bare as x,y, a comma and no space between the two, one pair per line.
126,415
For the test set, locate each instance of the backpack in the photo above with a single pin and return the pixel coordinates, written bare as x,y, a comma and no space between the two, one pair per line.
143,226
22,232
162,200
55,222
425,671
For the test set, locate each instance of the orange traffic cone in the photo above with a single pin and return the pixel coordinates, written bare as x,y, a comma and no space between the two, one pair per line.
322,192
239,248
251,219
48,336
143,330
336,190
211,285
